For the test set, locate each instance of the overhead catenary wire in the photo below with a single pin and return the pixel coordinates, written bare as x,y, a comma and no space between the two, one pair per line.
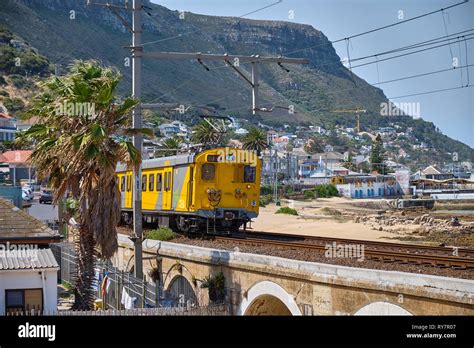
201,29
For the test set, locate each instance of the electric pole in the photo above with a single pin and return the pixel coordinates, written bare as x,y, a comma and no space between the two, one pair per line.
137,138
136,50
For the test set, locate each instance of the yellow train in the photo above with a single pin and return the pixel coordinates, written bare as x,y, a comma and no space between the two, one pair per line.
214,190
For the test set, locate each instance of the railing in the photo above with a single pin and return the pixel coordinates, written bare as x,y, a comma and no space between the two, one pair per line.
150,298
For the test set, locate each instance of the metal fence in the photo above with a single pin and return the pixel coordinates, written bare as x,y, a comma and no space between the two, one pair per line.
122,285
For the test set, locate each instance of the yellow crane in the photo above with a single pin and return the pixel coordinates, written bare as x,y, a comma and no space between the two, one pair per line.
353,111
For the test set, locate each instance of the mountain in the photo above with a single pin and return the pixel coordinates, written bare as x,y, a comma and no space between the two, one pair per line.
63,30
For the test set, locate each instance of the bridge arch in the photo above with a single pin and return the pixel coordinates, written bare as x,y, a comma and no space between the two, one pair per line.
268,298
180,290
382,308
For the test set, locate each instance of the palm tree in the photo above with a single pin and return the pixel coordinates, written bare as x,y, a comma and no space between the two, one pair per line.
256,140
83,131
208,133
169,147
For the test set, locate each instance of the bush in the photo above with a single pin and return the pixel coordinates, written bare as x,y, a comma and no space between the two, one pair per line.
2,80
162,233
265,200
287,210
216,286
266,189
4,93
21,82
309,194
325,191
13,105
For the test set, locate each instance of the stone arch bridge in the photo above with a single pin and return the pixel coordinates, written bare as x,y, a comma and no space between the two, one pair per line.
265,285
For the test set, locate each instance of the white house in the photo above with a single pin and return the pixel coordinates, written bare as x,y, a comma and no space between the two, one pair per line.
28,281
28,269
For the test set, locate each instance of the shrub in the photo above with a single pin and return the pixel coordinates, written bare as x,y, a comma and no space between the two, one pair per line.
309,194
326,191
2,80
13,105
216,286
266,189
4,93
266,199
162,233
287,210
21,82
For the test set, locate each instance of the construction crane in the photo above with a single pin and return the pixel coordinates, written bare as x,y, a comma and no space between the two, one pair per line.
353,111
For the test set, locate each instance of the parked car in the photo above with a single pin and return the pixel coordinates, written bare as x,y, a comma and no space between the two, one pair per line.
27,193
46,197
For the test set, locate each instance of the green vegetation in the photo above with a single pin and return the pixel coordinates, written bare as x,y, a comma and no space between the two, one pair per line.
377,156
216,286
14,105
79,155
21,82
162,233
309,194
255,139
208,132
169,147
266,189
286,210
326,191
266,199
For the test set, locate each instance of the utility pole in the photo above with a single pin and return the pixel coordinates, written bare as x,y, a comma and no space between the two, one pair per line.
136,50
137,138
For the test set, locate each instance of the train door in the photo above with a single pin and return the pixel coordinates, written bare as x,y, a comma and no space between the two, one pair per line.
167,187
129,191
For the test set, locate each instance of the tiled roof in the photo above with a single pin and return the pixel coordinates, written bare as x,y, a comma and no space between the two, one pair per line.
17,224
27,259
16,156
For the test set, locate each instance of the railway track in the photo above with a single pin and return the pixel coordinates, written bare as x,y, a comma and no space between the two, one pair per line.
373,250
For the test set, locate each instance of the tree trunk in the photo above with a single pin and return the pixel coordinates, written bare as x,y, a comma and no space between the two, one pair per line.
85,253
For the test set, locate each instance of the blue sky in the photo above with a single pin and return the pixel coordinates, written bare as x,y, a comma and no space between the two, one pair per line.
451,111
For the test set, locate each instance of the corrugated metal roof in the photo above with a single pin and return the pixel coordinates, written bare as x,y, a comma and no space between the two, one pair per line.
27,259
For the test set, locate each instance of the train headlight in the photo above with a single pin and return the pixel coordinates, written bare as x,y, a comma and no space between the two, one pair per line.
248,186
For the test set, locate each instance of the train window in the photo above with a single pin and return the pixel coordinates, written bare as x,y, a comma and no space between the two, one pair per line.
122,183
208,171
158,182
151,185
213,158
249,173
129,183
169,181
144,182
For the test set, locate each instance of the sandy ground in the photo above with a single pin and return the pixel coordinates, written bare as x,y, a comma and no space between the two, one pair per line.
312,220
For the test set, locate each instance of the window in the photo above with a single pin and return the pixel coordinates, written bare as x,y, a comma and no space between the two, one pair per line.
129,183
23,300
151,185
169,181
208,171
122,183
158,182
143,182
249,173
165,188
213,158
